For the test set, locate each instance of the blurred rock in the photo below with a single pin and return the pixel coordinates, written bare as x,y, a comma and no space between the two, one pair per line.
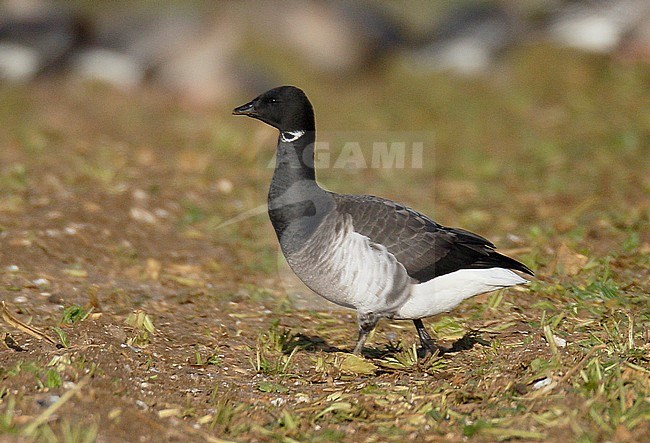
333,37
193,53
216,52
128,43
596,25
468,40
143,216
108,66
37,37
18,62
636,45
147,35
203,70
224,186
46,400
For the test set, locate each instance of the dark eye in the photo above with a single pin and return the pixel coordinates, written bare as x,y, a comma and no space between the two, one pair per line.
273,100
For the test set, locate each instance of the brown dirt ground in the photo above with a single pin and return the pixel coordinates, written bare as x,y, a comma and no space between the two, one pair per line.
92,240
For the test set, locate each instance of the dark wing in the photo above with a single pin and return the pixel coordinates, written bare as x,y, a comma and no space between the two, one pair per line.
425,248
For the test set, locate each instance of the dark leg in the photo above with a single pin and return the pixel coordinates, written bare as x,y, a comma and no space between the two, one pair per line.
428,346
367,323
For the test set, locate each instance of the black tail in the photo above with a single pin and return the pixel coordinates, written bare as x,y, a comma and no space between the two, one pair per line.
494,259
484,254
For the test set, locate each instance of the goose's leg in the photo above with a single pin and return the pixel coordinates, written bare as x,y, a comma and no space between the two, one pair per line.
367,323
428,346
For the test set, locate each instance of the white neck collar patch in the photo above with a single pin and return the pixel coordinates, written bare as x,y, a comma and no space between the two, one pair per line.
291,136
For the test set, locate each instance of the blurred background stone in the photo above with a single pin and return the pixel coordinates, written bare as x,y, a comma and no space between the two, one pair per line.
597,25
211,52
37,37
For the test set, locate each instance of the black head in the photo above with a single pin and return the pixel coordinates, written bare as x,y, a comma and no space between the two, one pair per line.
286,108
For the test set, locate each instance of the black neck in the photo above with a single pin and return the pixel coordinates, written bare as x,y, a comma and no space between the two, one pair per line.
294,163
296,203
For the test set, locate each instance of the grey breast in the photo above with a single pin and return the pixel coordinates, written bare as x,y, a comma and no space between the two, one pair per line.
348,269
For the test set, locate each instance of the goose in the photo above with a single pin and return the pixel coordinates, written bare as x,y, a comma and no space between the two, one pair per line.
370,254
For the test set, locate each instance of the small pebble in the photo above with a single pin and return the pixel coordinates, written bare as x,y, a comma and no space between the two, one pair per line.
224,186
41,282
560,342
514,238
20,299
142,215
55,299
70,230
541,383
12,268
139,195
48,401
278,401
160,212
141,404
